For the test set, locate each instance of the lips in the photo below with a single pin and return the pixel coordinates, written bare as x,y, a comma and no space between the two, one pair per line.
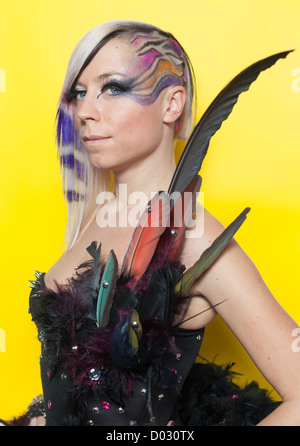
94,138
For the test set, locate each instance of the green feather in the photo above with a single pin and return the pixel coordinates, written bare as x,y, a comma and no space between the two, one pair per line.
106,290
134,330
209,255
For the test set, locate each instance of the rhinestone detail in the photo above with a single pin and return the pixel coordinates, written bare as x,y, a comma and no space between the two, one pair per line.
94,374
105,405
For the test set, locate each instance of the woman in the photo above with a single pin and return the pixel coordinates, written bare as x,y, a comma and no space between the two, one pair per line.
127,96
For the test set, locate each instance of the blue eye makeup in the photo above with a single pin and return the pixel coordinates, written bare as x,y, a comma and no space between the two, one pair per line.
113,87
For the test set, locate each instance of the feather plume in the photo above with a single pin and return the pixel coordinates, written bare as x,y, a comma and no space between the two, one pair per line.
151,226
158,300
184,208
106,290
123,353
209,255
134,330
87,281
219,110
170,242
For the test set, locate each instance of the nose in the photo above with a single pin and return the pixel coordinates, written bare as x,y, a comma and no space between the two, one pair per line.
88,108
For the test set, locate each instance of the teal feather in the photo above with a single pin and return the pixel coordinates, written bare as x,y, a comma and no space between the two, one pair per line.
106,290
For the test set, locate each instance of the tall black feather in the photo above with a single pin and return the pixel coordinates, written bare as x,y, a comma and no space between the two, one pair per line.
219,110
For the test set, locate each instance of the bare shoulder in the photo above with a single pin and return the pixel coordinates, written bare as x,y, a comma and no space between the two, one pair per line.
201,232
205,228
238,293
228,283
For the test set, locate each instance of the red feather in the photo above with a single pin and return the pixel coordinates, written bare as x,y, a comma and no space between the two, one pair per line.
170,242
181,214
152,225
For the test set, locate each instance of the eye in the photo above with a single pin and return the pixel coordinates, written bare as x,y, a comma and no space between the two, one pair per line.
115,90
74,95
79,94
112,90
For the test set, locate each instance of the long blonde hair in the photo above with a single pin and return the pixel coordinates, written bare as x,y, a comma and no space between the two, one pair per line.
82,182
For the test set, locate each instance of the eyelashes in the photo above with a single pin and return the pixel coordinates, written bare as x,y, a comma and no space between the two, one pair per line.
111,88
116,87
73,94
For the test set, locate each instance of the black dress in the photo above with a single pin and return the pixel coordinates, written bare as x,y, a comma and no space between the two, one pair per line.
99,376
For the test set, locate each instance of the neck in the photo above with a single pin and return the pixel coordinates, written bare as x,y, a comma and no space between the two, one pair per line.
147,176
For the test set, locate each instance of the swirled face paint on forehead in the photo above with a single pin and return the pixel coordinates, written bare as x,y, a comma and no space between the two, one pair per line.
157,66
156,63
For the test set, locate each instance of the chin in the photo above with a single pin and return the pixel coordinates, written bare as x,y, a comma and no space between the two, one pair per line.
99,161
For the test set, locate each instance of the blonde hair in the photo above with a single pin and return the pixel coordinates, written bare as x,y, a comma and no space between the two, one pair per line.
82,182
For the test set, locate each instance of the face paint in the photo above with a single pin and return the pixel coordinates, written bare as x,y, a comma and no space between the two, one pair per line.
157,65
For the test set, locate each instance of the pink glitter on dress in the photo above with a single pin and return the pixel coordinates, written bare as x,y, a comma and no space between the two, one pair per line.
105,405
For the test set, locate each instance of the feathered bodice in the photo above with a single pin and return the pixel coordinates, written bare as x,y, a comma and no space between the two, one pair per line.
129,371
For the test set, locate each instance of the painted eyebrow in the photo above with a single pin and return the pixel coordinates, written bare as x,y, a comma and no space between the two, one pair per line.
101,77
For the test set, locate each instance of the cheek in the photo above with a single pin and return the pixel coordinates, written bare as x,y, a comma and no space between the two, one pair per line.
137,122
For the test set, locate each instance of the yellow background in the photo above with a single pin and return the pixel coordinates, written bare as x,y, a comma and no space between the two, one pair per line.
253,160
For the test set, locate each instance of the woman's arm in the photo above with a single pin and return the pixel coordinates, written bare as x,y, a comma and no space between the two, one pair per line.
254,316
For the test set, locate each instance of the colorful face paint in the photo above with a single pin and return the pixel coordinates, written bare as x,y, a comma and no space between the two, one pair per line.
158,65
157,62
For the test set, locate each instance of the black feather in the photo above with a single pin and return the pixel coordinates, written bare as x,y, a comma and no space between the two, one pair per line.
219,110
87,279
159,299
122,352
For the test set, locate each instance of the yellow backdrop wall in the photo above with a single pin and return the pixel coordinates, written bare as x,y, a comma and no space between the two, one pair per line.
253,160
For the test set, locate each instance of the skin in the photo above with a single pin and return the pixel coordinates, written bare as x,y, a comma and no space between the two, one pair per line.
147,164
